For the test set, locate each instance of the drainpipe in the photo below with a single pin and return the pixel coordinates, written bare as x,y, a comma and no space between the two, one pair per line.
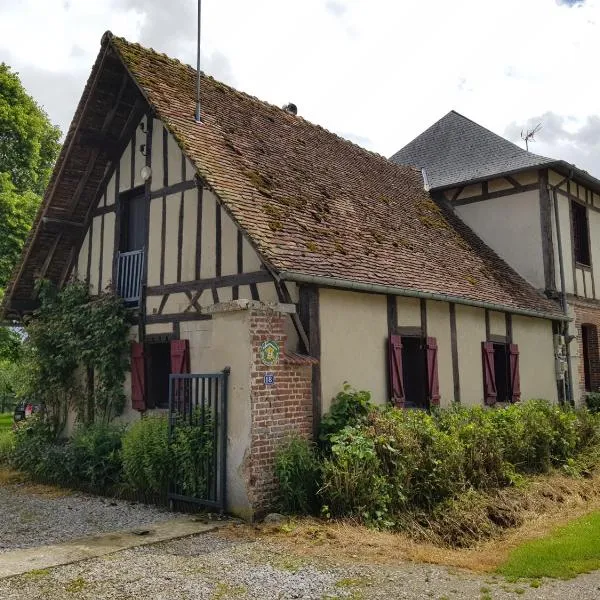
563,289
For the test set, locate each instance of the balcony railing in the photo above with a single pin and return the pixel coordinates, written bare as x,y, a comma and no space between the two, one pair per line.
130,267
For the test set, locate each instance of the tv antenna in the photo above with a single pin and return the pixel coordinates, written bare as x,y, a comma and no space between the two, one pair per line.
528,135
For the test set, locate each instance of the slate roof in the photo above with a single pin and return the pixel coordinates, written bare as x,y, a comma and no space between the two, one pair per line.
314,203
456,150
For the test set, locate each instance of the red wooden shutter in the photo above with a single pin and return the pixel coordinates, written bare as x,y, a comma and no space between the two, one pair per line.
396,379
138,379
180,356
515,377
490,392
433,382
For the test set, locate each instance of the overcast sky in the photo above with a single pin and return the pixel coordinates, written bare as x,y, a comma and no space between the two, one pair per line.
376,71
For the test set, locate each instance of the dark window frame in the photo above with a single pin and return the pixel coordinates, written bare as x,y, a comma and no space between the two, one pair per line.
591,355
408,374
502,359
125,199
151,371
581,235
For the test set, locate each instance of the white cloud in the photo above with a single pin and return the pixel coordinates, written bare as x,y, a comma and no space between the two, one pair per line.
380,71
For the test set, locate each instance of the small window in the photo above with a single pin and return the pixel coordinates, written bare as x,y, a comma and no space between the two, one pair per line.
581,242
132,227
501,379
158,369
414,372
591,357
502,371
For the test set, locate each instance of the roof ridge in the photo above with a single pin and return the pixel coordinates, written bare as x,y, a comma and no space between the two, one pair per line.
248,96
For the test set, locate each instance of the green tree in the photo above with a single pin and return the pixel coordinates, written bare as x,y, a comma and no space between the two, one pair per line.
29,145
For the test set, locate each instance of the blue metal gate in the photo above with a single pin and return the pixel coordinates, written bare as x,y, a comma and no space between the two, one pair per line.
198,438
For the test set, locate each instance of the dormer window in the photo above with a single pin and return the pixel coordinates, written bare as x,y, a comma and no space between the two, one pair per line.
581,239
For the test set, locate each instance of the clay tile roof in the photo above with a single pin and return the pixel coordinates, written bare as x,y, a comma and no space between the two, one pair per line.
293,358
316,204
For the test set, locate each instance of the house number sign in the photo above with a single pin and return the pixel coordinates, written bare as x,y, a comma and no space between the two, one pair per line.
269,353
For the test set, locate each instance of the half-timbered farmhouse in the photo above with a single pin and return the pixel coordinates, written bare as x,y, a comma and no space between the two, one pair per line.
258,241
541,215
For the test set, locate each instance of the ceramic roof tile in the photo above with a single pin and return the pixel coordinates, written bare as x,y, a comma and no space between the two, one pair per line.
317,204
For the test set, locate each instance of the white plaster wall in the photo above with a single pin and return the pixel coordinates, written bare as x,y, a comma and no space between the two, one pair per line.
215,344
353,343
190,218
208,245
470,332
82,258
409,312
228,245
536,357
438,326
154,241
95,260
497,323
510,225
171,237
565,233
594,219
108,249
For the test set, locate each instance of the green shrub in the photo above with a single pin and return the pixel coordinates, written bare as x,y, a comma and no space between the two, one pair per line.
94,456
592,401
421,462
353,484
90,459
7,446
349,407
482,443
32,440
146,455
298,474
193,452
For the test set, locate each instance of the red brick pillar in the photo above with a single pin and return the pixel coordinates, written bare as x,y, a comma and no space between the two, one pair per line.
278,408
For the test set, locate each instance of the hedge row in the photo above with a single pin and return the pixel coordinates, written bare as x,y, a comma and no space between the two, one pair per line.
380,464
112,458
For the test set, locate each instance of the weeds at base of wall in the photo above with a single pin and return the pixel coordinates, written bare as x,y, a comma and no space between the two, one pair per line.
550,501
453,478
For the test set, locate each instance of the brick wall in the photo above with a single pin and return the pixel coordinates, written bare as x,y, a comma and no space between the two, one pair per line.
588,314
278,409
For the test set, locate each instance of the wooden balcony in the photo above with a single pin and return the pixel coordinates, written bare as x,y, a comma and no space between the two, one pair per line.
130,267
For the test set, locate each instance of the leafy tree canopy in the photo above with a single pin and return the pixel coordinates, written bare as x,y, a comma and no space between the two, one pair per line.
29,143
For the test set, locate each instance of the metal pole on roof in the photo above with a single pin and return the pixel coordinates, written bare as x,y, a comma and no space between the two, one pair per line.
197,115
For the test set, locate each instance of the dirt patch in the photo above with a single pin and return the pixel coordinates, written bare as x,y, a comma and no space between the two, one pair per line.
551,501
21,485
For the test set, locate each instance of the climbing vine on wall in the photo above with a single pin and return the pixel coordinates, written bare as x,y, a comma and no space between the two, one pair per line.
77,353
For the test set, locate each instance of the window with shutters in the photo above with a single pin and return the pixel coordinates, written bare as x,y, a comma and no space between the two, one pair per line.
158,369
581,242
501,379
591,356
413,371
151,365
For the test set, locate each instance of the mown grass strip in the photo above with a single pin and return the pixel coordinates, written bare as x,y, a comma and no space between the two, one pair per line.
567,552
5,421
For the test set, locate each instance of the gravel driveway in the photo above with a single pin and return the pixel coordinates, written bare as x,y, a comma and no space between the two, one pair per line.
211,567
35,515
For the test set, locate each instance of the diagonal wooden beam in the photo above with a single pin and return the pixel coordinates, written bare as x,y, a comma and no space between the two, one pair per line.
97,151
512,181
